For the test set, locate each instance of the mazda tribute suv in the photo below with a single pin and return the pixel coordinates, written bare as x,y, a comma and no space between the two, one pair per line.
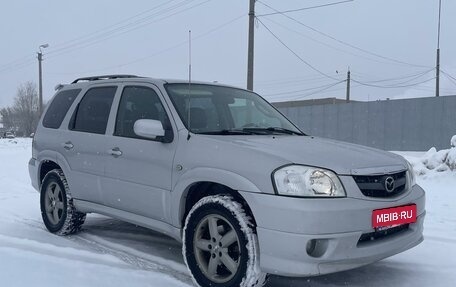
222,171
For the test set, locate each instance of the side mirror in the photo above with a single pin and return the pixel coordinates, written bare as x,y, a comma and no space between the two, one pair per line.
150,129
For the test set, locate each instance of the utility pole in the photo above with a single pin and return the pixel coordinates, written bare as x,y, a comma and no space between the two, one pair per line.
348,86
40,77
40,83
437,68
251,45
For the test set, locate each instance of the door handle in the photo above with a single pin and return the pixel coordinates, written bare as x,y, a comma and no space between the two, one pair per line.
115,152
68,145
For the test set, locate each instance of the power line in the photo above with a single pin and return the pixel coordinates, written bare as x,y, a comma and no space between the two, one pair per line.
112,29
115,33
292,83
410,78
430,89
294,53
29,58
448,74
306,8
328,45
449,77
340,41
392,86
304,90
180,44
315,92
18,66
286,81
112,25
17,61
398,77
99,37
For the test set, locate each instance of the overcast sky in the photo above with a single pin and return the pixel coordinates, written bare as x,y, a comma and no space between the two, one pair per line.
398,39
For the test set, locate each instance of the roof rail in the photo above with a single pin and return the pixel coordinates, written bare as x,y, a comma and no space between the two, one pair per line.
105,77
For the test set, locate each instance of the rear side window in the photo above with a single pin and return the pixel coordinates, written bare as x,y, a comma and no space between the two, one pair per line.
92,113
59,107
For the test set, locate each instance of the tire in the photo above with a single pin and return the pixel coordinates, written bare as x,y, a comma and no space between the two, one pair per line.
57,209
216,230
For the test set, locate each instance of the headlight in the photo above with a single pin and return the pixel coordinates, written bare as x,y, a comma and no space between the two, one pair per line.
306,181
411,180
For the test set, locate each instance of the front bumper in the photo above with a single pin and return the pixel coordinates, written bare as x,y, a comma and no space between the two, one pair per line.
308,237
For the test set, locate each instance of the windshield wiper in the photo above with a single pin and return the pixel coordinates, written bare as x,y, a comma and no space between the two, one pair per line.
274,130
227,132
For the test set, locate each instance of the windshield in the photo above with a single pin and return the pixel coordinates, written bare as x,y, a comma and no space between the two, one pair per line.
224,110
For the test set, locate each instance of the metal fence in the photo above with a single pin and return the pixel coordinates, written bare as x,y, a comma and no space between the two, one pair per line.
408,124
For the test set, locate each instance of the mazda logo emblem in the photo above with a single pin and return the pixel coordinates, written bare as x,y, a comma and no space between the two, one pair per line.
389,184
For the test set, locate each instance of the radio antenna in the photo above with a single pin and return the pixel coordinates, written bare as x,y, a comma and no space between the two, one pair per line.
189,81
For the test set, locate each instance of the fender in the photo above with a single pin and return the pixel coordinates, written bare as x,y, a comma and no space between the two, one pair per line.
45,155
204,174
48,155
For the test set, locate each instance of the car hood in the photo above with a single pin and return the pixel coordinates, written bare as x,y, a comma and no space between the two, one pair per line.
340,157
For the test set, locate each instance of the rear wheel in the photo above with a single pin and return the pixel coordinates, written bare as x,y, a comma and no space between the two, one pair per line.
57,209
220,247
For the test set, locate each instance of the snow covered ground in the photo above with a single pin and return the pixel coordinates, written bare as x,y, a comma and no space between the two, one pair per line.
112,253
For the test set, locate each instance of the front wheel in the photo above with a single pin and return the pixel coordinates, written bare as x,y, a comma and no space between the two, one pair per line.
220,246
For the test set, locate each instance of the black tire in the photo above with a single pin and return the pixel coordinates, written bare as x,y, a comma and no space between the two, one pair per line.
229,215
68,220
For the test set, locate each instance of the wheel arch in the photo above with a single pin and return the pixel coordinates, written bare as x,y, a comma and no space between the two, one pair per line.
201,182
46,166
50,161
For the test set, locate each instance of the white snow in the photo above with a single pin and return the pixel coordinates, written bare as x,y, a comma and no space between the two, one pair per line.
112,253
434,161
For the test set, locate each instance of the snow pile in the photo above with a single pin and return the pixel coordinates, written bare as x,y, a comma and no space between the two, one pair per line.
436,161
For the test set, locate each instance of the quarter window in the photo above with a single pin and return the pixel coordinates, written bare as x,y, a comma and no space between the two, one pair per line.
92,113
138,103
59,107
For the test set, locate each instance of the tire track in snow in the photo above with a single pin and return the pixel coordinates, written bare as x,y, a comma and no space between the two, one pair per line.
68,253
131,257
135,258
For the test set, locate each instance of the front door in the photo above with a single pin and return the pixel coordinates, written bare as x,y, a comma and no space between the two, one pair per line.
138,170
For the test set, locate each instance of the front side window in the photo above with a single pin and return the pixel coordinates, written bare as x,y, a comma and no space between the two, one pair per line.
59,107
138,103
92,113
210,109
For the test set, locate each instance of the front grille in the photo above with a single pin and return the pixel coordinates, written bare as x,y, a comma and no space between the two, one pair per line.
381,234
374,185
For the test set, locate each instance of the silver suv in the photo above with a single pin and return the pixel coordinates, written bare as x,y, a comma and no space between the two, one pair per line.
221,170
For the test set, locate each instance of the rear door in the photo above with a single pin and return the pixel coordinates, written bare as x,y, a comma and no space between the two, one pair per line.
83,143
138,170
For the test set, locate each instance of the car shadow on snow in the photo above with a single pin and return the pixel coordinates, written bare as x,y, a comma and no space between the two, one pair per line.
146,243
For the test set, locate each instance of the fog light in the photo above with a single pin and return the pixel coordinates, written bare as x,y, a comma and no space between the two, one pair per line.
317,247
310,248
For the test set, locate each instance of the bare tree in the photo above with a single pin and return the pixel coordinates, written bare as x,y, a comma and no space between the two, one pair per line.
9,118
25,108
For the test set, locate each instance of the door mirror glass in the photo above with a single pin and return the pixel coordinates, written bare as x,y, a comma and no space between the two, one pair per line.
150,129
